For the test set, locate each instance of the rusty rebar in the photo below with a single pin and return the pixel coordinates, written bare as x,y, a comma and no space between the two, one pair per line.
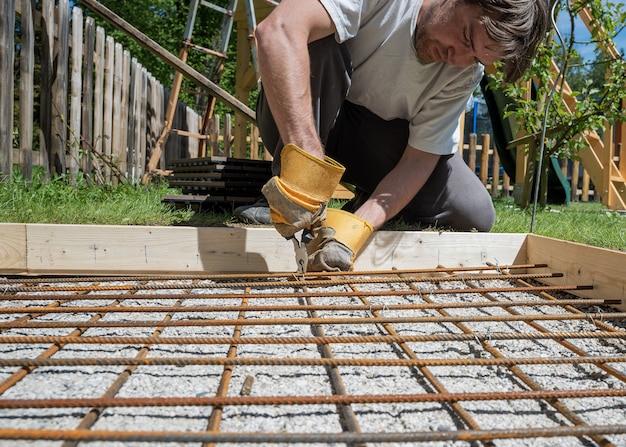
335,399
297,282
328,339
308,321
317,437
303,361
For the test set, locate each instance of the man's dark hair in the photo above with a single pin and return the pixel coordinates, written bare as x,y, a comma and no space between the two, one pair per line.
518,26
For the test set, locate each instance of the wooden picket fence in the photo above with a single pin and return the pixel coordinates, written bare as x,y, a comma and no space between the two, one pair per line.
486,162
101,111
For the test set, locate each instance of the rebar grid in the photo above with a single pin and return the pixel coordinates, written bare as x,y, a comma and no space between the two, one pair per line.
455,356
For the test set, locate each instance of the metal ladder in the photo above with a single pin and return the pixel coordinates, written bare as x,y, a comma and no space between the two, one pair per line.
215,71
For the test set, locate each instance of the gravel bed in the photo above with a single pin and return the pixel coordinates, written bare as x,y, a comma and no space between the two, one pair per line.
286,380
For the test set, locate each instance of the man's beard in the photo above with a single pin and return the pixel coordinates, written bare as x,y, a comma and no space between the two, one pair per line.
436,13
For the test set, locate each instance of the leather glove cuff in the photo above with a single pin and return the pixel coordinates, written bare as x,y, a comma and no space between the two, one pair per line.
301,171
350,230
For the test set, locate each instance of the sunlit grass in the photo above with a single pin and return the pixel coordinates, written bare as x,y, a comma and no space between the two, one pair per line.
57,201
583,222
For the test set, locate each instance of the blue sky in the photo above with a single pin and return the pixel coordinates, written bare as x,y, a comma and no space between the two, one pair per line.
586,49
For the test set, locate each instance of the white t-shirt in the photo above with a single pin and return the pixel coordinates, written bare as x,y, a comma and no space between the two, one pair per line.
391,82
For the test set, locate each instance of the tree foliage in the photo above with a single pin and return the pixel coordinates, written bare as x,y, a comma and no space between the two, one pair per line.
541,106
164,21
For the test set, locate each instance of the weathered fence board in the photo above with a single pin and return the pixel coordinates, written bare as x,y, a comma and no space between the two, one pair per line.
88,87
7,53
76,90
27,70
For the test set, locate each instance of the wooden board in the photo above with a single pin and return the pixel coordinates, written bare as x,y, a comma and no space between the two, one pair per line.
38,249
12,249
96,249
426,249
582,264
84,249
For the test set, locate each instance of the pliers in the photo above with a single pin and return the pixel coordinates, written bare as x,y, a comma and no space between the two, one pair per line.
300,247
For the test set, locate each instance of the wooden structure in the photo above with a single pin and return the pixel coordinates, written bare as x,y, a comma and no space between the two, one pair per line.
108,126
605,159
36,249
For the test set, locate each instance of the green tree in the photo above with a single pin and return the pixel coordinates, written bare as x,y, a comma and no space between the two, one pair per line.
164,22
599,88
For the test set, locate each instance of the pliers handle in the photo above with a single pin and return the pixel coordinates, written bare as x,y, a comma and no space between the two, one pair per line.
299,246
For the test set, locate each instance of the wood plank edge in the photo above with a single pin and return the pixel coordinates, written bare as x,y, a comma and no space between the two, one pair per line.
104,250
581,264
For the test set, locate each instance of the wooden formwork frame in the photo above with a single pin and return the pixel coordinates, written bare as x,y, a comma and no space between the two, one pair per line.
40,249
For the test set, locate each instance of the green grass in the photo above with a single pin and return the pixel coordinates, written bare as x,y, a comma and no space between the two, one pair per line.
56,201
587,223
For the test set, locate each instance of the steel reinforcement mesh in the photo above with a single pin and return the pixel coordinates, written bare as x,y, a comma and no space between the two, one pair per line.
483,355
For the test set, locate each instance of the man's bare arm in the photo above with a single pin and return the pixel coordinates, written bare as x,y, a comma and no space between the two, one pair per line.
398,187
283,57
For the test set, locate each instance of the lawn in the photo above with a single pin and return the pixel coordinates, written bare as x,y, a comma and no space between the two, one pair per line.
55,201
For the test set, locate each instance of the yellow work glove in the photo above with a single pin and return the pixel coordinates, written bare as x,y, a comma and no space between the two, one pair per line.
298,196
338,241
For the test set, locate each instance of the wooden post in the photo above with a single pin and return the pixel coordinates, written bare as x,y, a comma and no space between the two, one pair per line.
574,181
133,141
7,54
59,90
228,137
606,192
215,140
142,160
76,88
506,185
254,142
98,122
585,192
109,68
245,73
27,60
484,159
495,179
472,152
47,77
150,117
116,132
125,112
88,87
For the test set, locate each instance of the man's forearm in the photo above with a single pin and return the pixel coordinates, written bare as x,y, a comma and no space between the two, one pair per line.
282,42
398,187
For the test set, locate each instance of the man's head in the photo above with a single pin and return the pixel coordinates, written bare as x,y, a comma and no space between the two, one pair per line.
462,32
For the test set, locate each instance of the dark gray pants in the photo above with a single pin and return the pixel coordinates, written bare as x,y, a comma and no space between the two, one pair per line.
369,147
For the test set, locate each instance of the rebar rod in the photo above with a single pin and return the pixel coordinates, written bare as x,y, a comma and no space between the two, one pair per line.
328,339
238,276
309,321
289,308
529,381
433,381
302,361
46,299
338,294
317,437
222,389
92,415
334,399
347,417
285,283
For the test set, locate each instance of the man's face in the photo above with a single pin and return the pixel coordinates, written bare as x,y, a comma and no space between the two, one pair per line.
451,32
